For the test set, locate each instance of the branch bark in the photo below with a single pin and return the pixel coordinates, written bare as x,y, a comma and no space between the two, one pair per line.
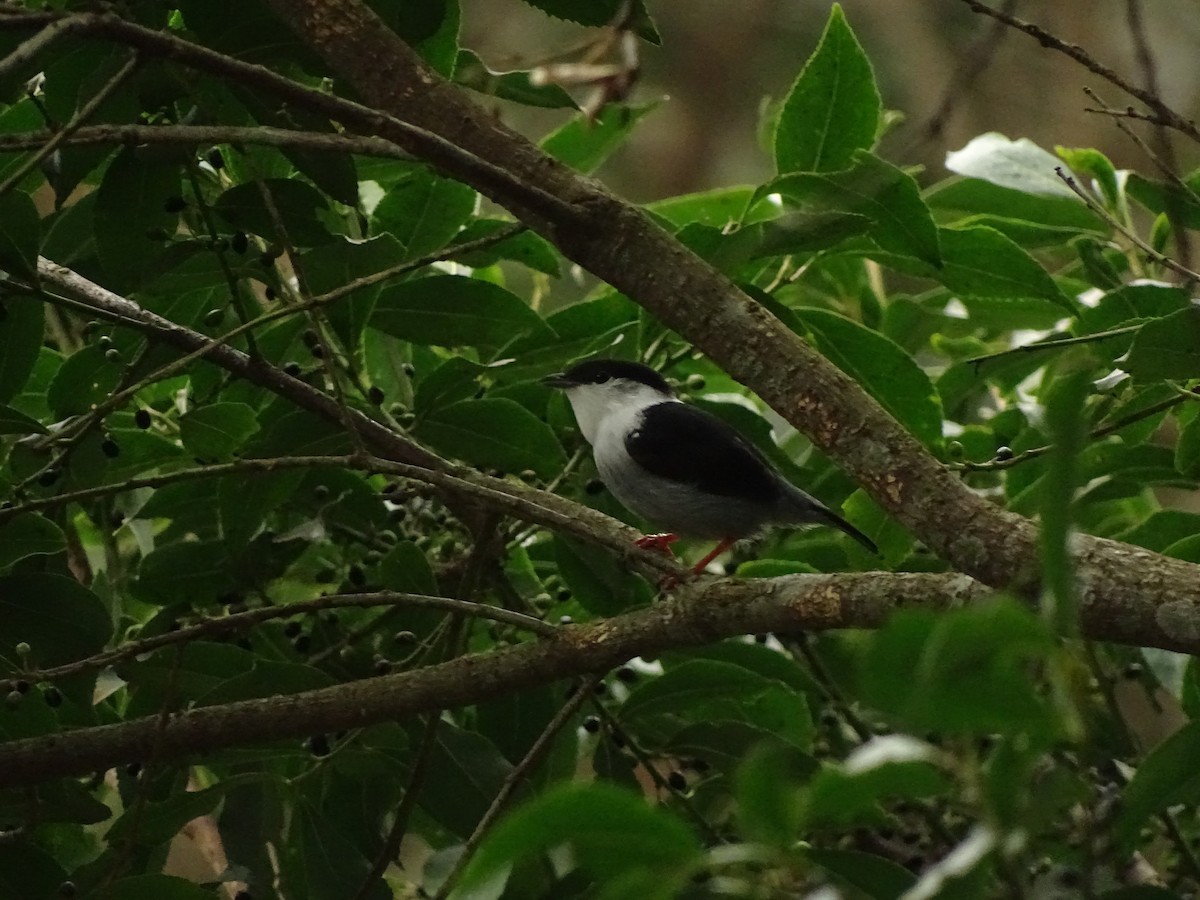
705,612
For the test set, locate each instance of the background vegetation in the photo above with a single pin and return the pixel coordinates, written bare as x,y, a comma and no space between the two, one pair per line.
308,588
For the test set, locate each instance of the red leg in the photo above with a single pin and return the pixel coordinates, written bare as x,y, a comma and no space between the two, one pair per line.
716,551
659,542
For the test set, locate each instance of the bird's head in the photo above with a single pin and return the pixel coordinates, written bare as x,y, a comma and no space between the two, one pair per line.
600,388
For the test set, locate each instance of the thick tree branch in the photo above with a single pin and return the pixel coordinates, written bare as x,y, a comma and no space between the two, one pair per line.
705,612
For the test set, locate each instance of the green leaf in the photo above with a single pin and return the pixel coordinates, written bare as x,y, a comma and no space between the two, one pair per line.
21,327
244,502
187,572
405,569
875,876
877,363
1166,348
982,262
894,765
59,618
27,872
339,263
602,584
1021,165
496,433
453,311
158,822
300,207
1164,197
611,833
711,690
85,379
1187,449
886,196
983,199
584,145
955,658
1166,777
465,773
28,534
768,793
832,109
1131,303
431,28
454,380
215,431
13,421
530,250
424,211
1087,161
718,207
266,678
20,234
131,222
319,859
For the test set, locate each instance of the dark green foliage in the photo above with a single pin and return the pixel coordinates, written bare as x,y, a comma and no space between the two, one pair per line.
1004,323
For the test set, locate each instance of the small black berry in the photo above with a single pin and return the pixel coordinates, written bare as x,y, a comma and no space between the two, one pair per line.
141,418
677,781
110,448
591,724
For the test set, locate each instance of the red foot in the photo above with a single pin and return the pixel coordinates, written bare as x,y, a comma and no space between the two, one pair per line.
716,551
660,542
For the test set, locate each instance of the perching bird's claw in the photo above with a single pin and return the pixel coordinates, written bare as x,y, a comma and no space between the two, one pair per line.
660,542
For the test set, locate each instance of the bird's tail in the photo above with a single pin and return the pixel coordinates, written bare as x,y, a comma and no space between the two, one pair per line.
804,507
825,515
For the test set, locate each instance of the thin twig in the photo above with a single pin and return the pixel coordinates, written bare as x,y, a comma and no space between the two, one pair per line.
515,778
1053,344
118,397
1159,163
82,114
416,779
27,50
1104,431
508,497
218,249
1168,116
444,154
1130,235
207,135
224,625
1141,43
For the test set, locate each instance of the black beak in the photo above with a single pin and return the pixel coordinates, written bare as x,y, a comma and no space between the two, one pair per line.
558,380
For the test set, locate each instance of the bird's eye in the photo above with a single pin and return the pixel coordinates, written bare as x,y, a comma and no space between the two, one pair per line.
600,379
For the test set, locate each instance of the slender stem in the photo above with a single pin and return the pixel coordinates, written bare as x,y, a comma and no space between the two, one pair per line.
237,621
1129,234
513,780
84,113
391,846
1081,56
1104,431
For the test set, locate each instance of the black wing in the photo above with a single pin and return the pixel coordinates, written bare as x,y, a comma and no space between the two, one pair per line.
691,446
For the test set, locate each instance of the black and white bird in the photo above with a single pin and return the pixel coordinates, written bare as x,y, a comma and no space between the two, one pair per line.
679,467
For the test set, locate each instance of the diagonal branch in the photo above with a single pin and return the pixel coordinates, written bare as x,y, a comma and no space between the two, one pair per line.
1165,114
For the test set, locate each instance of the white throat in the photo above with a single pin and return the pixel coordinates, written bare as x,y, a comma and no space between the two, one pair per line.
599,407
